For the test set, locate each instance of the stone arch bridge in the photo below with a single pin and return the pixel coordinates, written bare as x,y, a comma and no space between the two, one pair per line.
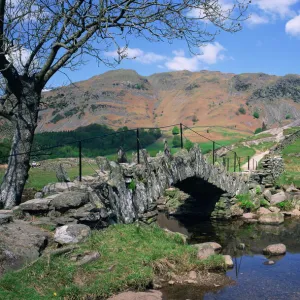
128,192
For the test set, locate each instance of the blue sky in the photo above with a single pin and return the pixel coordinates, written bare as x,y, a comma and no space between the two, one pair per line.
268,43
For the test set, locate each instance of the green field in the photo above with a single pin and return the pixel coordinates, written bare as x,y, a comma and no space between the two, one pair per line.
291,156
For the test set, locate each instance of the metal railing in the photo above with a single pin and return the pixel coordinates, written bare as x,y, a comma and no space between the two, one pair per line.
229,163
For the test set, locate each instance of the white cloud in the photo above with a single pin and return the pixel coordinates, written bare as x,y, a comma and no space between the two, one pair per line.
178,63
137,54
292,27
256,19
211,54
179,52
283,8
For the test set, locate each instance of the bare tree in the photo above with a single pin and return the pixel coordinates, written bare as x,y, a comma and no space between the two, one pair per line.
41,37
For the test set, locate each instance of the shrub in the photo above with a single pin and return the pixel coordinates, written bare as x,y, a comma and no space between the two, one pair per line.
264,203
256,115
257,130
175,130
242,110
258,190
285,205
132,185
245,202
288,116
176,141
194,119
188,145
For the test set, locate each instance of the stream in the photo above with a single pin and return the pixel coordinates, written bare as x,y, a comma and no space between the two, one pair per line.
251,278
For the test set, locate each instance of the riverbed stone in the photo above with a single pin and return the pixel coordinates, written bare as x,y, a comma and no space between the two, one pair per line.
236,210
205,251
267,195
192,275
277,198
247,216
275,249
217,247
148,295
182,236
274,209
271,219
263,211
228,261
71,234
269,262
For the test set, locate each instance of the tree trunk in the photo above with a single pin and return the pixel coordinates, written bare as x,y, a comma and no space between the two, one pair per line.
25,122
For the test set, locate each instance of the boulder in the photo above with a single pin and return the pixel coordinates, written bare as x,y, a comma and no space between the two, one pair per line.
217,247
295,213
71,234
36,205
20,243
228,261
236,210
205,251
271,219
267,195
69,200
275,249
5,218
263,211
274,209
277,198
87,258
292,189
183,236
58,187
248,216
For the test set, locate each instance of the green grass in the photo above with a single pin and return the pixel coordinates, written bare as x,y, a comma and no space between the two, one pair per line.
38,177
258,137
291,130
131,257
291,164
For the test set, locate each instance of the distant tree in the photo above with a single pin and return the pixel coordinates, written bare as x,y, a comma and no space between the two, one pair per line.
176,141
39,38
256,115
188,144
242,110
264,126
288,116
175,130
257,130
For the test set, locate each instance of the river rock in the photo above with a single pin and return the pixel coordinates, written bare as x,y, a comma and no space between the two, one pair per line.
267,195
292,189
192,275
263,211
269,262
295,213
275,249
274,209
183,236
205,251
277,198
71,234
271,219
148,295
236,210
228,261
249,216
217,247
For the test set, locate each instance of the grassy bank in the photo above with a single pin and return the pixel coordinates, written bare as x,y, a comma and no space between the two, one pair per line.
131,257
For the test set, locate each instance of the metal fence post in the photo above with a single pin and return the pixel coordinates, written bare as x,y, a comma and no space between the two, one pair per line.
248,163
181,138
234,166
239,160
214,149
138,145
80,160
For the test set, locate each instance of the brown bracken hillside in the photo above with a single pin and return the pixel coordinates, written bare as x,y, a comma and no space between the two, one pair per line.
124,98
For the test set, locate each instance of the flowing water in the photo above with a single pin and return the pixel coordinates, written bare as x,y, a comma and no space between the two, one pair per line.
251,277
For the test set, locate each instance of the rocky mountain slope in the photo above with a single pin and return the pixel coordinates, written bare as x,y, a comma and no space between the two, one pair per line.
124,98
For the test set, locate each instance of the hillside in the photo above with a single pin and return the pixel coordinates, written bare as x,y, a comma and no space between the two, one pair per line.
124,98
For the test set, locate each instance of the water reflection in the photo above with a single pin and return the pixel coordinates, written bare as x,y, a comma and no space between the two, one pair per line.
253,278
